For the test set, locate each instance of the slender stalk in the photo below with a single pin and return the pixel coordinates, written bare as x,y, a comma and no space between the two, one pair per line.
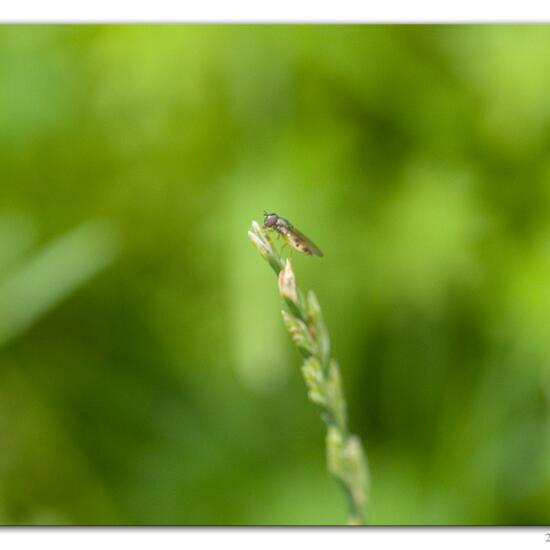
346,460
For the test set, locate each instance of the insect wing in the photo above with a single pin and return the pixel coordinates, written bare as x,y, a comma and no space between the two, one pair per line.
301,243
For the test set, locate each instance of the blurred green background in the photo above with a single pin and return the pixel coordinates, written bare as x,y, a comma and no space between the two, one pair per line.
145,373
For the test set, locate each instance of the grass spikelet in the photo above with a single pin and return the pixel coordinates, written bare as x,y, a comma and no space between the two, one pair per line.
346,460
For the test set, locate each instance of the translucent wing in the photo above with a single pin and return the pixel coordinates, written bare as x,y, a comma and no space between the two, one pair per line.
301,243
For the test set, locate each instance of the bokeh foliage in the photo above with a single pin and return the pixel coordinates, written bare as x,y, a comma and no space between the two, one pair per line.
145,374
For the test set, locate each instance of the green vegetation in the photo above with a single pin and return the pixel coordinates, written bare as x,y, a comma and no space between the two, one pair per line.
345,457
145,376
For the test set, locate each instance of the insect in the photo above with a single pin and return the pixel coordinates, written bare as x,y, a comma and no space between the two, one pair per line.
291,235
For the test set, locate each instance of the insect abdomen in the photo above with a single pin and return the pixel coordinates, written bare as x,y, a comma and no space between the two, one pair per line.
299,245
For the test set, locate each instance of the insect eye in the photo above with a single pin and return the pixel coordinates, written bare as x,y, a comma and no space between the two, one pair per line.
270,220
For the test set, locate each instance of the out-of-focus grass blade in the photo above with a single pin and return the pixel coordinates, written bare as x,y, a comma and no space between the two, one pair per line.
17,235
45,278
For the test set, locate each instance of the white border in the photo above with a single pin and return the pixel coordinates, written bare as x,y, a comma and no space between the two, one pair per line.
372,538
281,11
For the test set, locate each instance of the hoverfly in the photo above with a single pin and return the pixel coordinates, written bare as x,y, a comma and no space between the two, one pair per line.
291,235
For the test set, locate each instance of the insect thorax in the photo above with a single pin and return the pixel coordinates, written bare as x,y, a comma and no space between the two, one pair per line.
283,225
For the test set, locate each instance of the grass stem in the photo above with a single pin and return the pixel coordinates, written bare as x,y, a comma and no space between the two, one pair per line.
346,460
